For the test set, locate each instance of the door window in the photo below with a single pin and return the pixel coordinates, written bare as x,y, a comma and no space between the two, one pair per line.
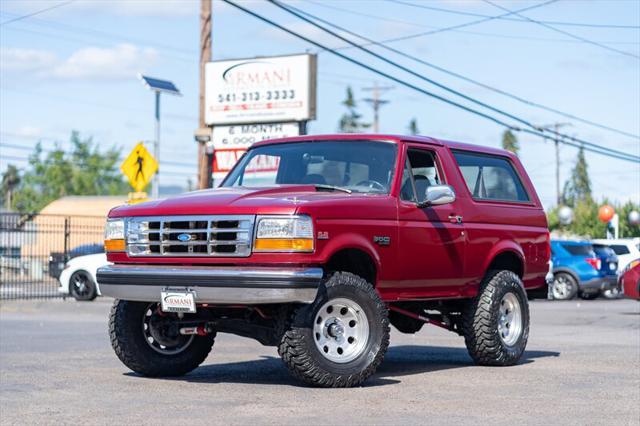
420,172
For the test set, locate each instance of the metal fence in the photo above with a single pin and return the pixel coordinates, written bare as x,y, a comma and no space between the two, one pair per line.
34,249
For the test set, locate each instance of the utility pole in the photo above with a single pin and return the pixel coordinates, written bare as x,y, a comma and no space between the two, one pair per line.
556,140
205,56
376,102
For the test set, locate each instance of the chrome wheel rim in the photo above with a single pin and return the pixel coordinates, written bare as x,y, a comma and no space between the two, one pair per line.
562,287
510,319
341,330
160,335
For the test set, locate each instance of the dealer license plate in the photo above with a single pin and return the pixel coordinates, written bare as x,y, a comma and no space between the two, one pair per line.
177,301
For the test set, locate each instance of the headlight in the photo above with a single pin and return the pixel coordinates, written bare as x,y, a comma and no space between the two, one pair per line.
114,235
284,234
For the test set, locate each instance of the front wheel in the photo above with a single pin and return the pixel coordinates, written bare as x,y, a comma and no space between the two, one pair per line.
496,321
82,287
612,293
149,342
340,339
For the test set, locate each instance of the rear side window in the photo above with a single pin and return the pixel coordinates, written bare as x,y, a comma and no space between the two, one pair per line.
490,177
620,249
578,250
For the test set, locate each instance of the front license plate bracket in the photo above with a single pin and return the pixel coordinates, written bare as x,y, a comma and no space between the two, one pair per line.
178,300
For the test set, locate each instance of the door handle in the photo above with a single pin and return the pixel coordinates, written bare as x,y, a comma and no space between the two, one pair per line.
454,218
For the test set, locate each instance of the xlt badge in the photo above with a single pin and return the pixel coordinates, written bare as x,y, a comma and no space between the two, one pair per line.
383,241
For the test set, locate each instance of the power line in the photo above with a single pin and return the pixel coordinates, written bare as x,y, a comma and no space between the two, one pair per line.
568,34
101,34
419,89
37,12
46,151
95,104
439,29
435,83
559,23
464,78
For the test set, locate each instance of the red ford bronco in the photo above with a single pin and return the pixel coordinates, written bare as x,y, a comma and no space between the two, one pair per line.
317,244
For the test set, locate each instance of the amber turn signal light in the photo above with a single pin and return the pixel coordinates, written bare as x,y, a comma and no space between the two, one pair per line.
284,244
114,245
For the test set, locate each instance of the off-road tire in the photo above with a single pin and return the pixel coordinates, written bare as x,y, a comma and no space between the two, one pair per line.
300,353
127,340
480,321
92,289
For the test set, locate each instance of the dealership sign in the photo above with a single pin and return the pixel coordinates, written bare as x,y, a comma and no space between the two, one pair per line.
244,135
261,90
231,142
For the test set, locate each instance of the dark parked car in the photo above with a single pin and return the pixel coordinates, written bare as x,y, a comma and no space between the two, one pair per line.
608,269
58,260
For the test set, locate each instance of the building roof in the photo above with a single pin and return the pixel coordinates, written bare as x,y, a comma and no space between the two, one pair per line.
84,205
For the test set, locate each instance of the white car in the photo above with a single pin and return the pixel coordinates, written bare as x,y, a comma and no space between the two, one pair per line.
78,278
627,250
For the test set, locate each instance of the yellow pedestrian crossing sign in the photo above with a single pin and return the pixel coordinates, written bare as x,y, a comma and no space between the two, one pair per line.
139,167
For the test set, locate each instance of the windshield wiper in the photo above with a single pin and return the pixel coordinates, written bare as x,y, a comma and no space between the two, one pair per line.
321,187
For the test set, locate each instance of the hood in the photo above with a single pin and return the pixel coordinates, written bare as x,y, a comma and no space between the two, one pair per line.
283,199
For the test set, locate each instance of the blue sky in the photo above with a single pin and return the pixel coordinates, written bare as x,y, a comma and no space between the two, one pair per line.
75,67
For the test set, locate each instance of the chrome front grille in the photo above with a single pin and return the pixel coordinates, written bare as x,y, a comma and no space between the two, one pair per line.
190,236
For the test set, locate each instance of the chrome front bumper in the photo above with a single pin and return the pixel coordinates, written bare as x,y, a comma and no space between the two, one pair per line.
220,285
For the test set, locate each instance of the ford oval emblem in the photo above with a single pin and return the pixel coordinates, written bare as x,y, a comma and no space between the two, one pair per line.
185,237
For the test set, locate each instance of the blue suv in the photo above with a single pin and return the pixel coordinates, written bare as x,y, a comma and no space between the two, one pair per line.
576,271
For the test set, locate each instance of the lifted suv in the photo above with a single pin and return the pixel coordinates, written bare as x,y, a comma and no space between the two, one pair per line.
317,244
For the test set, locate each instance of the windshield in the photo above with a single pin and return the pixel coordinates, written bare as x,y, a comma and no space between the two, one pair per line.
358,166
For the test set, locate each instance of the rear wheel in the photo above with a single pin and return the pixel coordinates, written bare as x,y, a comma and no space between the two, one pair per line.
496,322
149,342
340,339
82,287
564,286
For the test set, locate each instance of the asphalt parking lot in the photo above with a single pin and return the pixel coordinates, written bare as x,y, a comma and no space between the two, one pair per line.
582,366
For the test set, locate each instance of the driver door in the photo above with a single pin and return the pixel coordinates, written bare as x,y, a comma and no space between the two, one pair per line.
432,239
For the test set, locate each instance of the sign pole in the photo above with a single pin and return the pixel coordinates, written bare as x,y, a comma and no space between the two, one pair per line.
156,148
205,56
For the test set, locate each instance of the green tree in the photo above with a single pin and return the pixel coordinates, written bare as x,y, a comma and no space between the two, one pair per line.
10,181
510,142
82,171
413,127
350,122
578,187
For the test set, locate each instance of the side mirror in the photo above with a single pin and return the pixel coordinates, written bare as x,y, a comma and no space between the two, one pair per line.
436,195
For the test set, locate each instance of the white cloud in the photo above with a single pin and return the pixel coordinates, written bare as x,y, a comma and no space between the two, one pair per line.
28,131
120,62
123,61
19,59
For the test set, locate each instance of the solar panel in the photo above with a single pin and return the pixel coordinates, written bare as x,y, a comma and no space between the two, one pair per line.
158,85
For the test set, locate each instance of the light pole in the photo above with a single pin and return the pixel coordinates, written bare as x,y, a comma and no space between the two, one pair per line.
158,86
